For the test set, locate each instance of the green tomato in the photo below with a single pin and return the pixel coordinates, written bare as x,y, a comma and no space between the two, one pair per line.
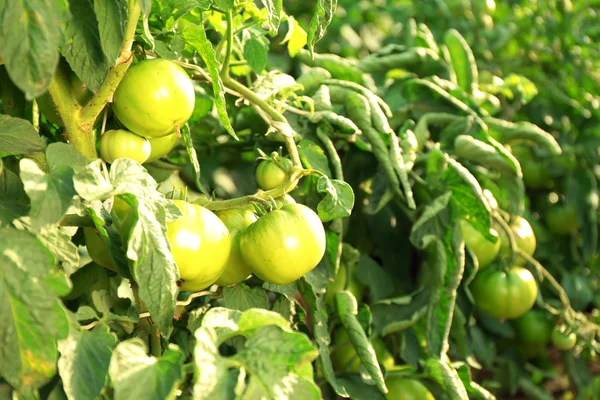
345,358
97,250
563,341
236,220
161,146
200,244
285,244
284,200
533,328
269,175
124,144
536,175
154,98
484,250
338,286
401,388
524,237
504,295
562,220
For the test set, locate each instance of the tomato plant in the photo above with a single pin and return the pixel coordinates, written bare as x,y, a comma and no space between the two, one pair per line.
504,294
155,98
124,144
310,204
284,245
200,244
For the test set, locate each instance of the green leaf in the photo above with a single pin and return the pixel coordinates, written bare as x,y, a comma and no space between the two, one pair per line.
320,21
13,100
313,156
32,316
30,33
84,51
289,290
475,150
112,18
242,297
582,194
17,136
64,250
138,376
464,68
256,50
274,9
398,313
195,36
369,273
212,379
319,320
296,37
347,310
447,377
84,360
338,200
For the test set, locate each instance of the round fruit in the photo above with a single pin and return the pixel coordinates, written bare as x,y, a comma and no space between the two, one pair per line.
97,250
533,328
236,220
269,175
161,146
562,220
124,144
285,244
484,250
400,388
154,98
345,358
200,244
339,283
524,237
504,295
563,341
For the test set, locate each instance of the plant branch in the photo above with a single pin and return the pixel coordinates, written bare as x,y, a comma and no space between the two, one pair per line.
97,103
225,67
147,323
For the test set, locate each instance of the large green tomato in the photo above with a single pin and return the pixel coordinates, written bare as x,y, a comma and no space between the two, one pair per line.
236,220
200,244
504,295
124,144
345,358
562,220
484,250
161,146
285,244
400,388
563,341
154,98
533,328
524,237
269,175
339,283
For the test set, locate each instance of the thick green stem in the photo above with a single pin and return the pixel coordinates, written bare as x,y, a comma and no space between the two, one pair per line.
69,110
97,103
225,68
148,325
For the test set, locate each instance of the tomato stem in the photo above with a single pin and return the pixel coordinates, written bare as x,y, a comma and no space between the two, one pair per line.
225,67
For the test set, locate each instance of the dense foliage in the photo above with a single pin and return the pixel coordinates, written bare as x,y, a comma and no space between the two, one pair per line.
361,199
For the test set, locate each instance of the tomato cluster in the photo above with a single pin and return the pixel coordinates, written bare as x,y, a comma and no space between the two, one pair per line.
154,99
509,293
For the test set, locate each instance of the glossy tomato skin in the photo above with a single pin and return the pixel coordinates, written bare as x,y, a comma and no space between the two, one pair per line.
563,341
533,328
161,146
561,220
237,220
200,244
269,175
401,388
504,295
120,143
97,250
285,244
154,98
485,250
524,237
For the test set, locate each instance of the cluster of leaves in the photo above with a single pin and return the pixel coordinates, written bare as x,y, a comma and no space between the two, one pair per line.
405,140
